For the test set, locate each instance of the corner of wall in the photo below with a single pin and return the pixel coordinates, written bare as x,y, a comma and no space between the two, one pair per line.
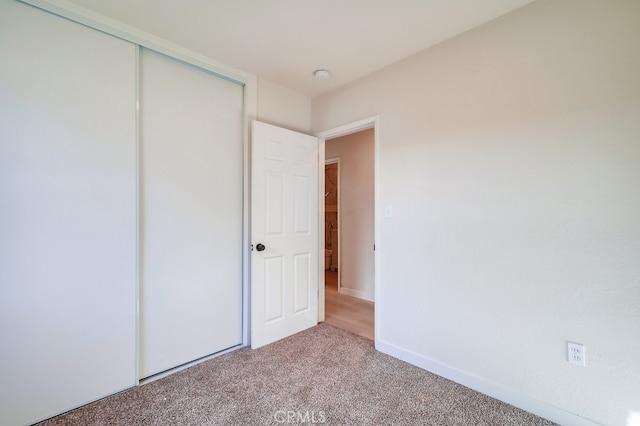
283,107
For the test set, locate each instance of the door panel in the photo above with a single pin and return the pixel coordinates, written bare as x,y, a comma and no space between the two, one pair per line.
274,203
301,202
284,206
191,213
301,282
274,289
67,214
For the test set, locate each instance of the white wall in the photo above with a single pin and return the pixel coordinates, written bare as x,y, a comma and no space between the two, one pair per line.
356,152
511,156
282,107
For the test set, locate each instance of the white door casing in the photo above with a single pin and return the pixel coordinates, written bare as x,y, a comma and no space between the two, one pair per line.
284,219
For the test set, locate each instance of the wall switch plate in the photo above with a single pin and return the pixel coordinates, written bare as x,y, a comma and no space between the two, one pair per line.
388,210
575,353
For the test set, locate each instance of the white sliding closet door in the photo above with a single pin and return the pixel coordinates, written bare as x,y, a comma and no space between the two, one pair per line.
191,213
67,214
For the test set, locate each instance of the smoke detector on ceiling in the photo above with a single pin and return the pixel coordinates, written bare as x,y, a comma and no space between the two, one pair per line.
322,73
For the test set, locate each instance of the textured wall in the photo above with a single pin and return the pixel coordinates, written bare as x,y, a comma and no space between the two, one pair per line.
510,155
282,107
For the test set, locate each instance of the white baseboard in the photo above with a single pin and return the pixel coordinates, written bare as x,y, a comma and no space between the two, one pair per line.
356,293
486,387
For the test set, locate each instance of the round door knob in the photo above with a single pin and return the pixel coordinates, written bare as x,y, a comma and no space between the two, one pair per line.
260,247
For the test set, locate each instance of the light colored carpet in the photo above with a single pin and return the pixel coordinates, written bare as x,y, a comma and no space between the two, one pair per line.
323,375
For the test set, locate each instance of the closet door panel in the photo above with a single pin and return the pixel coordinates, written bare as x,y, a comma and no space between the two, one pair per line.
192,162
67,214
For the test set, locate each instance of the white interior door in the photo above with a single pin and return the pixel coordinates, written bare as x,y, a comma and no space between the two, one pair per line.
284,233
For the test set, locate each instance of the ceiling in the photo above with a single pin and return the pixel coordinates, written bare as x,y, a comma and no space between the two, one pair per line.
284,41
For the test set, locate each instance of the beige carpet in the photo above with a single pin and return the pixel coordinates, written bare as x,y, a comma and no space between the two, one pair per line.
324,375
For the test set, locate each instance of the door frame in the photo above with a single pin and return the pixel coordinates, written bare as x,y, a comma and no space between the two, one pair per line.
347,129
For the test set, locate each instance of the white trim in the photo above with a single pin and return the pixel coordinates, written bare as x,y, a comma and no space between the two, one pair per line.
484,386
138,350
250,114
357,293
321,234
118,29
347,129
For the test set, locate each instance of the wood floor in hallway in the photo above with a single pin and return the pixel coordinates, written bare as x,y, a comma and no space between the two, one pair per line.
346,312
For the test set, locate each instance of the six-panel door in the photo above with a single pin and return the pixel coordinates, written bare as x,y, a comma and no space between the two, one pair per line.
284,218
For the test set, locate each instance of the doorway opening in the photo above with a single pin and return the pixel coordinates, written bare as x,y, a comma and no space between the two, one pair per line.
349,228
331,215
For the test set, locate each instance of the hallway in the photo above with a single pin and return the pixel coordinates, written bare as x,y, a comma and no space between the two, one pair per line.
346,312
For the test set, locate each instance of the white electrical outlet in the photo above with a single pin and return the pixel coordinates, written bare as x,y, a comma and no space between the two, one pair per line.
575,353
